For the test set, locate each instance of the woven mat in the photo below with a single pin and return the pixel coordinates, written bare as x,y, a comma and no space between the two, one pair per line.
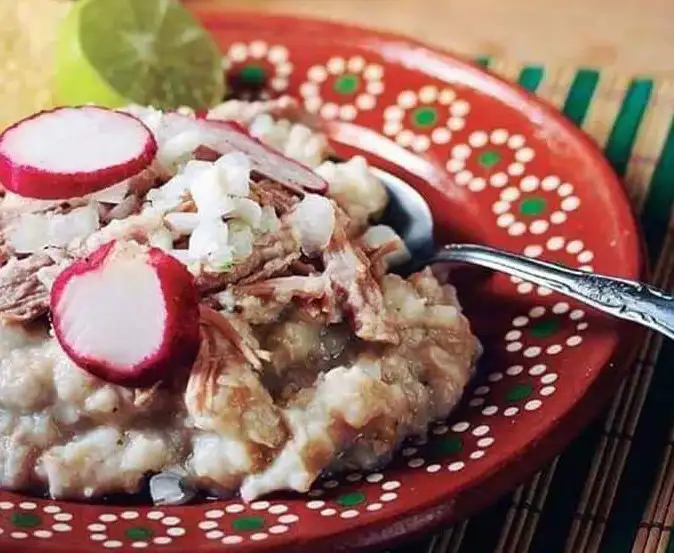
612,490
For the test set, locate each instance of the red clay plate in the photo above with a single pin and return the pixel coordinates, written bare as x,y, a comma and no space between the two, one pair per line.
497,167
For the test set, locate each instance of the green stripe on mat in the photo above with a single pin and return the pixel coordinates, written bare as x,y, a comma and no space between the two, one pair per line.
530,77
658,206
623,135
580,95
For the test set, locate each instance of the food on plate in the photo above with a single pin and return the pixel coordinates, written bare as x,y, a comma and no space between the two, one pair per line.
222,317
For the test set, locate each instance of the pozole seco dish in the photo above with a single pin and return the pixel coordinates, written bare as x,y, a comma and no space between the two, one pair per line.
207,299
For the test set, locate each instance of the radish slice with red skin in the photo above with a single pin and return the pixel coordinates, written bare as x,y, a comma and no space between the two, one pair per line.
72,152
127,314
223,137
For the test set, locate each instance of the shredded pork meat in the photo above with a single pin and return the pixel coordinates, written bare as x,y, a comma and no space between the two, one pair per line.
23,297
273,254
269,193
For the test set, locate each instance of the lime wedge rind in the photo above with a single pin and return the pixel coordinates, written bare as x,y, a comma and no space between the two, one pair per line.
150,52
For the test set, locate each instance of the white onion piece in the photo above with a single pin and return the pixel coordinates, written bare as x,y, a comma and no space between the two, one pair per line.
314,218
241,240
170,195
114,194
248,211
209,244
162,239
269,221
182,223
33,231
378,235
234,170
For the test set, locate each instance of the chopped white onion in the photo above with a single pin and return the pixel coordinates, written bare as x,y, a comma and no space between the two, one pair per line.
241,240
314,218
170,195
353,181
209,195
14,202
248,211
209,244
114,194
244,112
33,231
305,145
227,300
269,221
273,133
182,223
235,169
162,239
378,235
178,149
47,275
296,141
150,117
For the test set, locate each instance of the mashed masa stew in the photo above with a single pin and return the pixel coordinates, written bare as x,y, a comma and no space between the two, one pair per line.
312,358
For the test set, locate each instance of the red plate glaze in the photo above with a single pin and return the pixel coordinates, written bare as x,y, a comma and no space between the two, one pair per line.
497,167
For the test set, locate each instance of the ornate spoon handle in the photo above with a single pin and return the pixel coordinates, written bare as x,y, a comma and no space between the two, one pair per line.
625,299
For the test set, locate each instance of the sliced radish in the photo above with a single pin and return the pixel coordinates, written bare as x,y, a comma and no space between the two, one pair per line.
127,314
71,152
224,137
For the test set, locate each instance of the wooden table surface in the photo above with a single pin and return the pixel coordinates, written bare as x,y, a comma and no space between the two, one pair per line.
633,35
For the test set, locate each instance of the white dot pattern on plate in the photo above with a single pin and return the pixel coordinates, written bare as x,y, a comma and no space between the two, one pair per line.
578,254
534,207
527,330
275,56
424,117
493,157
358,83
282,520
171,525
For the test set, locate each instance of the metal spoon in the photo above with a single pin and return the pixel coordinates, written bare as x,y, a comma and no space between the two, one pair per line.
634,301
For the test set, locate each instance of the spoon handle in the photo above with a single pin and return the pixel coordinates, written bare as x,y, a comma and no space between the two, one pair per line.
625,299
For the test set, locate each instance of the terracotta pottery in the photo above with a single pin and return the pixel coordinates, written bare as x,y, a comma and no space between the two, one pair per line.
497,167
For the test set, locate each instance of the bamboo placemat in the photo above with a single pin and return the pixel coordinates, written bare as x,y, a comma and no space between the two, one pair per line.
612,490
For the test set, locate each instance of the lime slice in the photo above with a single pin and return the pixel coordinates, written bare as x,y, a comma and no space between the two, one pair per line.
148,52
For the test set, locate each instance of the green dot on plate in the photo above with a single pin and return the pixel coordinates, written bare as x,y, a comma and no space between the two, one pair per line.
253,74
489,158
347,83
25,520
425,116
248,523
544,328
351,499
138,533
518,392
532,206
448,446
